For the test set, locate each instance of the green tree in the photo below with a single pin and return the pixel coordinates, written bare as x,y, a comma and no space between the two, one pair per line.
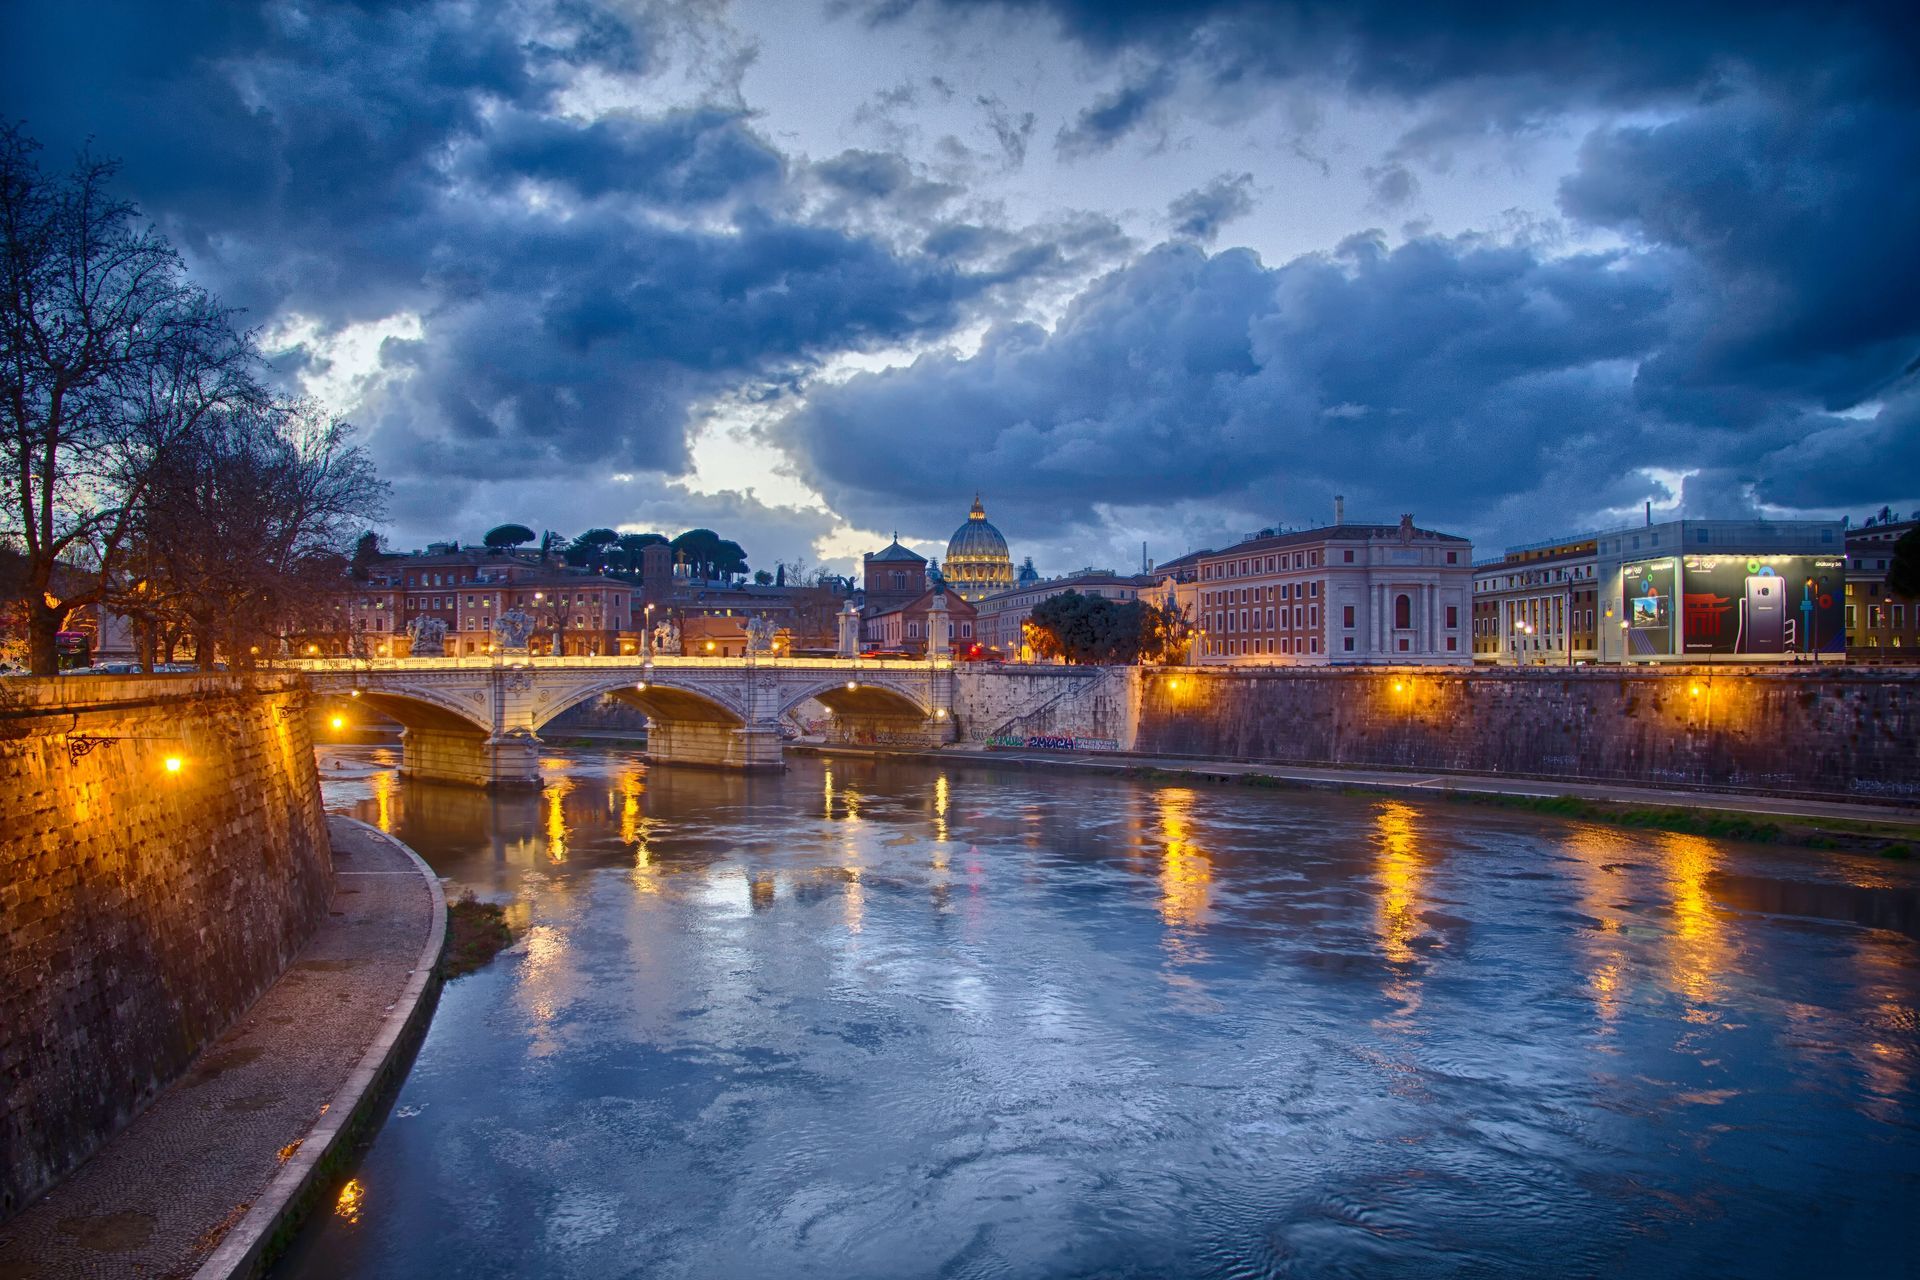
763,578
709,555
1903,571
504,537
368,550
1094,629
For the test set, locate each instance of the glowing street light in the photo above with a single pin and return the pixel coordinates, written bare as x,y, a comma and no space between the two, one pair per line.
173,764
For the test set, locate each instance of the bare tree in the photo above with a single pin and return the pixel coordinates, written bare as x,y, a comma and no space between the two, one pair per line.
109,360
249,527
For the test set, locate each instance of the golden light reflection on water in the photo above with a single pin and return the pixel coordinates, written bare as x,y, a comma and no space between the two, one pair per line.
348,1204
1396,919
1887,1055
1603,950
940,803
385,784
629,791
1697,945
1186,872
554,796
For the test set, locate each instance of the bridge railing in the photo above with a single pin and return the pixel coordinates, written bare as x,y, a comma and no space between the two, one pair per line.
628,662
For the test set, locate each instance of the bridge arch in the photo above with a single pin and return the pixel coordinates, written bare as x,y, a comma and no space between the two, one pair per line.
663,700
416,709
864,699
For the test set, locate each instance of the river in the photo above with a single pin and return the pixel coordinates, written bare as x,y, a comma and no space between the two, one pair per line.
879,1019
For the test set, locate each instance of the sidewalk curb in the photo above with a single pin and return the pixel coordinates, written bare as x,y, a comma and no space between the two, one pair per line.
246,1249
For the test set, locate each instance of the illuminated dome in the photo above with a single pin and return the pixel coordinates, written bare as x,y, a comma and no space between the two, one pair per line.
978,563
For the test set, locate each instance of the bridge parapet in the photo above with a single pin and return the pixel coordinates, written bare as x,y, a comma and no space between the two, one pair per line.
478,718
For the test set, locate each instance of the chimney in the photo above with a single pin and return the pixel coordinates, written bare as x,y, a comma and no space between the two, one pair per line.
1649,512
1339,509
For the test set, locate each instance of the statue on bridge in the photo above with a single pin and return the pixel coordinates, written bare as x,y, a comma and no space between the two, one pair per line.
512,630
666,638
759,634
429,636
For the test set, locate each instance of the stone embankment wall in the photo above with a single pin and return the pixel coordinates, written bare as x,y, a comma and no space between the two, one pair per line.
141,909
1004,704
1830,730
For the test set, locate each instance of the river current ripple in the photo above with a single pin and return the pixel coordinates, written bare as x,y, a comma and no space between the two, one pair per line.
872,1019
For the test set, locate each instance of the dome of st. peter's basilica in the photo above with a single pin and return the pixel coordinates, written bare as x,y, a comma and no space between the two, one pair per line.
978,563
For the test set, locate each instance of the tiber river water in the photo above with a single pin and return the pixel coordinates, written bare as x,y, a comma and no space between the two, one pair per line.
887,1019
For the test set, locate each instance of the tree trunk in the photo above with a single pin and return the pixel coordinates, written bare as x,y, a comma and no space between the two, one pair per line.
43,637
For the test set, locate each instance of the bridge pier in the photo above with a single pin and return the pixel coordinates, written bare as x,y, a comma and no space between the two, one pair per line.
754,748
502,760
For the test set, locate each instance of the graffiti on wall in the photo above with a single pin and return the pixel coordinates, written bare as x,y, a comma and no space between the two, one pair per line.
1052,742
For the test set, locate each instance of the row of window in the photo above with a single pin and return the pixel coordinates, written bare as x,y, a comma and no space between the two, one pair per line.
1250,565
965,632
1248,648
1252,595
1249,619
1882,615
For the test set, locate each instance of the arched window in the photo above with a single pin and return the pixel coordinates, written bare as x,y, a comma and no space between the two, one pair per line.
1403,612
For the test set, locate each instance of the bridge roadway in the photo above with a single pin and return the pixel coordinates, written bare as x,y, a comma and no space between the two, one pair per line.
478,718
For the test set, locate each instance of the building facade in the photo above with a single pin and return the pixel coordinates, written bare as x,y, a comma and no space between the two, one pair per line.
908,627
1538,605
1881,626
1345,593
574,612
1722,591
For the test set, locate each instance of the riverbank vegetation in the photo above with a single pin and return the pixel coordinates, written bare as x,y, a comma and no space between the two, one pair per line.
476,932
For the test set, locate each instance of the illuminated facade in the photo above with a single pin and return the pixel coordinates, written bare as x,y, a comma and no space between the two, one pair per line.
978,563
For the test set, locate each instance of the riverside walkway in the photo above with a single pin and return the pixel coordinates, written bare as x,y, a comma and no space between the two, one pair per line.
200,1181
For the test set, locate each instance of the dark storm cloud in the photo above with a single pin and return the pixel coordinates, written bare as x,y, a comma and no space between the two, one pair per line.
1624,52
685,159
1183,375
1199,214
1114,116
581,284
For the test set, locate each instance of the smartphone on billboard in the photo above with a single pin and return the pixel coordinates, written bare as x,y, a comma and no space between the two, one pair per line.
1766,614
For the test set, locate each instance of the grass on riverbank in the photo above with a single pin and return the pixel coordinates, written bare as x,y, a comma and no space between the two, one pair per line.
476,933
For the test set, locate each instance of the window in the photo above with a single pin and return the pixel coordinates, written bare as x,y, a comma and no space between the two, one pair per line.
1313,644
966,630
1402,614
1346,620
1405,644
1453,616
1313,616
1349,560
913,631
1452,644
1313,590
1453,557
1705,536
1269,619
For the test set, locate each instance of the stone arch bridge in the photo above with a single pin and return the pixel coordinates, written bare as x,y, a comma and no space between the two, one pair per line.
478,719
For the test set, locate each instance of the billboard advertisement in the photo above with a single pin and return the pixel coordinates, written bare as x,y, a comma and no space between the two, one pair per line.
1649,606
1761,605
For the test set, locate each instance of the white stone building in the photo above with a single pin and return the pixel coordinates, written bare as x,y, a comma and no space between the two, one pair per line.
1345,593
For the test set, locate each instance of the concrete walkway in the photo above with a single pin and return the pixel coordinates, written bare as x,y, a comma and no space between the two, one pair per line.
213,1163
1333,779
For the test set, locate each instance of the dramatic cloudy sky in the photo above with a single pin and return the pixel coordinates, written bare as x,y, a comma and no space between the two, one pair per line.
810,272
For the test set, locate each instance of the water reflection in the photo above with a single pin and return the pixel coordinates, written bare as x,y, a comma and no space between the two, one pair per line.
878,1020
1185,870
